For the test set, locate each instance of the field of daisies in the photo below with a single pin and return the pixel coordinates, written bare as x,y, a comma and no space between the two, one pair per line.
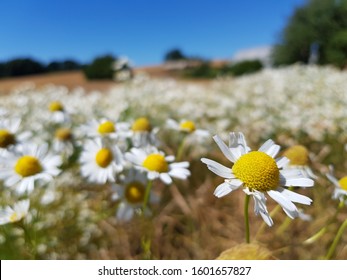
238,168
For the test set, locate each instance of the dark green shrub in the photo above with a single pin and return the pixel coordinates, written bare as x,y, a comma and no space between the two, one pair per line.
100,68
21,67
205,70
174,54
243,67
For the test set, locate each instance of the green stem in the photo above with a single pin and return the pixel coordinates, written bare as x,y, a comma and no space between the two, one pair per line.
324,229
247,218
336,240
181,148
147,194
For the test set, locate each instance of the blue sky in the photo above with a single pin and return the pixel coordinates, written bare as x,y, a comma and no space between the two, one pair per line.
143,30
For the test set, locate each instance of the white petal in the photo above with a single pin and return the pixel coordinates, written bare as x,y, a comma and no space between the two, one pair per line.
218,168
224,148
295,197
299,182
272,150
282,162
222,190
165,178
266,146
125,212
285,203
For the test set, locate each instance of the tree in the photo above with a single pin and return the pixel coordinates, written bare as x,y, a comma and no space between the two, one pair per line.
174,54
319,23
100,68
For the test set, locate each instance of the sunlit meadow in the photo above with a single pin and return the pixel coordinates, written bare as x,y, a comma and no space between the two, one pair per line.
122,174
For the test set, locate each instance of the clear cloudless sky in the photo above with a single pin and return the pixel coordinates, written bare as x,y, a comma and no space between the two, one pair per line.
143,30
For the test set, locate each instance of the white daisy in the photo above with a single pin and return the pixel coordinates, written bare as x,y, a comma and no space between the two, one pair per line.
157,165
63,141
340,191
143,134
100,163
106,128
299,158
259,173
131,194
189,127
58,112
16,213
9,133
26,164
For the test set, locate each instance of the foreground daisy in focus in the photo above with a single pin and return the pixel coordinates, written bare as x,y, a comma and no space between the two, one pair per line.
157,165
15,213
259,173
23,166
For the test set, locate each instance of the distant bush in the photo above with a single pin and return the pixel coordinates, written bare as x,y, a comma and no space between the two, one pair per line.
100,68
243,67
174,54
20,67
205,70
66,65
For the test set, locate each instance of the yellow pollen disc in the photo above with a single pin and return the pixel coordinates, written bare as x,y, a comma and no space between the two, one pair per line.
298,155
6,138
63,134
258,171
28,166
141,124
14,218
343,183
104,157
135,192
56,106
156,162
187,126
106,127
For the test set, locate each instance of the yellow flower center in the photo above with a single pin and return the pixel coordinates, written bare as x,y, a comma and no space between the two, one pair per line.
6,138
258,171
106,127
56,106
187,126
135,192
28,166
343,183
156,162
141,124
104,157
298,155
14,218
63,134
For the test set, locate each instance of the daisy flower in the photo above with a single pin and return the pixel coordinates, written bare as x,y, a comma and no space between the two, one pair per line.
340,191
157,165
106,128
16,213
59,114
299,158
9,133
63,141
187,126
259,173
142,133
28,163
131,194
100,163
